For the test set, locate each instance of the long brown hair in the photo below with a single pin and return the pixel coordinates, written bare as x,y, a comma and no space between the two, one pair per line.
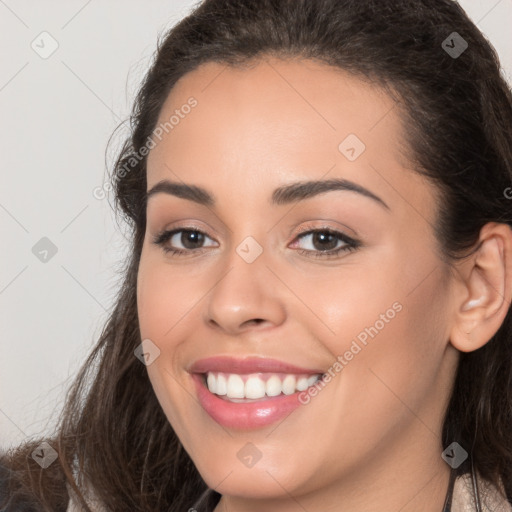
458,115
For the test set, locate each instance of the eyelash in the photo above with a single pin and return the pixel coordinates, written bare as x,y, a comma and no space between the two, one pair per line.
351,245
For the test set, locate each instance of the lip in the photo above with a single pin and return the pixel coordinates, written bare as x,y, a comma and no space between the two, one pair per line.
245,416
252,364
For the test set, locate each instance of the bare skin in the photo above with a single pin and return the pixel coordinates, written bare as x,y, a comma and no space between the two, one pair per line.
371,439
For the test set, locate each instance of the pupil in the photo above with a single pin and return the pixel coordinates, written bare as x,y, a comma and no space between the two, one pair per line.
189,238
322,237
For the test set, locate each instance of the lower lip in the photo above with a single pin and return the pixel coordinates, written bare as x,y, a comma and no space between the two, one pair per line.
249,415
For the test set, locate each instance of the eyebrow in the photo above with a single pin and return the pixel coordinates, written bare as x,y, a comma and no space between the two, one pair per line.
283,195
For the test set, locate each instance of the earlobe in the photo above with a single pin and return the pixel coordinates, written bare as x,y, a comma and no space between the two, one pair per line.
485,291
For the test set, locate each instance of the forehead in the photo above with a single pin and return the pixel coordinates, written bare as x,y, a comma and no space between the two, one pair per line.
277,120
288,99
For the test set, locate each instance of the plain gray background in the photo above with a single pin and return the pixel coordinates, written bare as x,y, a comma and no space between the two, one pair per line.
57,114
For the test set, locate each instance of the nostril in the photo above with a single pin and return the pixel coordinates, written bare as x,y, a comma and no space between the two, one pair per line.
256,320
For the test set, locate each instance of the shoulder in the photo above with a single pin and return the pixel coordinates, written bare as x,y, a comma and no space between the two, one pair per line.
491,498
92,501
26,486
11,501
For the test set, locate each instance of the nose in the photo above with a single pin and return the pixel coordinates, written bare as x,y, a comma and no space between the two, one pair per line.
244,297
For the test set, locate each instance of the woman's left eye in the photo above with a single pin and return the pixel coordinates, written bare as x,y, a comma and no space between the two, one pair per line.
324,242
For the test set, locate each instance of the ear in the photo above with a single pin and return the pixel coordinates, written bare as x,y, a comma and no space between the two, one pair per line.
484,291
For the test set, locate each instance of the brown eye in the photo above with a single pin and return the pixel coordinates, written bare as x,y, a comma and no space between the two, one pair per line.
190,240
325,243
323,240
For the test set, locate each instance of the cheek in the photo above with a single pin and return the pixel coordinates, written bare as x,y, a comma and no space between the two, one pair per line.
155,301
387,339
160,308
165,297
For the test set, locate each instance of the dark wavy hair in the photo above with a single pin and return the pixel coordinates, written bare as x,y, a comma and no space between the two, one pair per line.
458,118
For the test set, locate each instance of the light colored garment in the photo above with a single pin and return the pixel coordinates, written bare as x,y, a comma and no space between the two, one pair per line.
74,505
463,499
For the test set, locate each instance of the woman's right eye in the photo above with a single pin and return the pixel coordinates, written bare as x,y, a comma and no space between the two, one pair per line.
188,238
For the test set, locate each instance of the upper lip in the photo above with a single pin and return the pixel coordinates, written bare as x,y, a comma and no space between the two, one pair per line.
252,364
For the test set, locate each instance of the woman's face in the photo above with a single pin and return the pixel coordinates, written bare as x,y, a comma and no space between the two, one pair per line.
259,278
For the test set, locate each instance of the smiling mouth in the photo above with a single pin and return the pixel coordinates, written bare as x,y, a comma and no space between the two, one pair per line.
256,387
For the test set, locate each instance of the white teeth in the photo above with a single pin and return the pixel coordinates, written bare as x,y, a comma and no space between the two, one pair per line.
235,387
222,385
211,380
289,385
312,380
302,384
254,387
273,386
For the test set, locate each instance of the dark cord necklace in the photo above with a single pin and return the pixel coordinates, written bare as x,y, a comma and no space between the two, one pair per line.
447,507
